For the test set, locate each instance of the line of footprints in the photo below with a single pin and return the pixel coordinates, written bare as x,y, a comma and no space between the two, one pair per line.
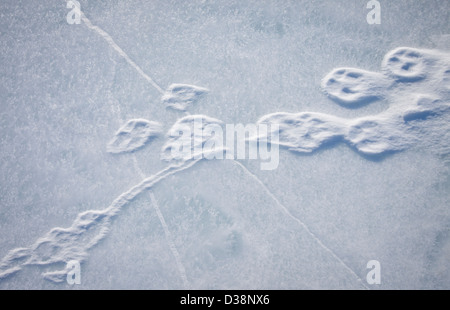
415,82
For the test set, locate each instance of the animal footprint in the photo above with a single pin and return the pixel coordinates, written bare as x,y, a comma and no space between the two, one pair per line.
133,135
304,132
350,86
191,133
191,137
405,64
180,96
376,135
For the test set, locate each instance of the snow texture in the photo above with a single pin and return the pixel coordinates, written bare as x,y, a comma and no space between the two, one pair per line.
195,141
389,131
133,135
181,96
302,132
314,222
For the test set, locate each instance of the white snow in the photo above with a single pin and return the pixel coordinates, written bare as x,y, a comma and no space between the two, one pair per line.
133,135
180,96
363,170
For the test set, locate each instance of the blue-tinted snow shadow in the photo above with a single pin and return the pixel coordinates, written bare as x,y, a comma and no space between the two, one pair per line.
330,144
356,105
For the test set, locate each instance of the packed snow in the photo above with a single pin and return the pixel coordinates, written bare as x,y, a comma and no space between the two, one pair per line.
90,171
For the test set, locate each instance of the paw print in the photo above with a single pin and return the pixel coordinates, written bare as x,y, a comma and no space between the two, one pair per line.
416,83
405,64
133,135
138,132
350,86
180,96
302,132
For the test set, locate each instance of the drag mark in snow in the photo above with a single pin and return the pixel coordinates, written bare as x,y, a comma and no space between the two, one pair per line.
61,245
120,51
303,225
177,96
172,246
413,81
169,237
131,137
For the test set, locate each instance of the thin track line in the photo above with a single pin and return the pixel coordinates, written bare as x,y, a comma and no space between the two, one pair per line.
172,246
119,50
161,218
288,213
169,237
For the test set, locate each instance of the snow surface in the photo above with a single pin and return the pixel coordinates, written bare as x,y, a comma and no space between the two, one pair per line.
133,135
84,109
180,96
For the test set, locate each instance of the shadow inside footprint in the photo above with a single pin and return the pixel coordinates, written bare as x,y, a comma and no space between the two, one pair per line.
405,64
354,88
133,135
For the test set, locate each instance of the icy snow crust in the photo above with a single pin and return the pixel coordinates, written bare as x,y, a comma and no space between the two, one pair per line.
133,135
387,131
414,82
301,132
